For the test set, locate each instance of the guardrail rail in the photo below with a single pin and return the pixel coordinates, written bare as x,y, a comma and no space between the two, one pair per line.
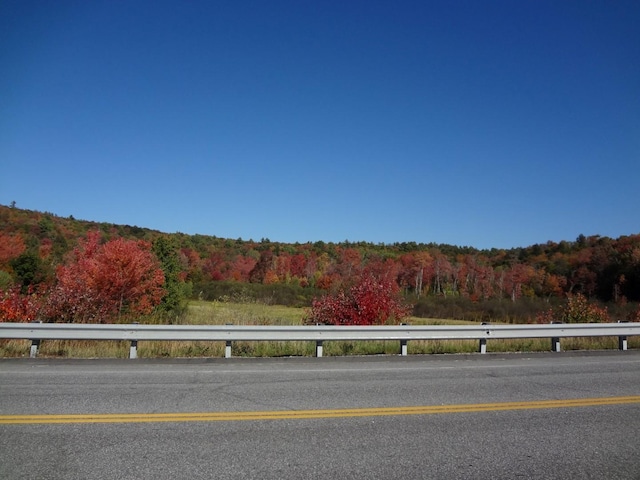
134,333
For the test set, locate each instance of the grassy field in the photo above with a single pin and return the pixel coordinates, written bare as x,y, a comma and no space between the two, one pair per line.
222,313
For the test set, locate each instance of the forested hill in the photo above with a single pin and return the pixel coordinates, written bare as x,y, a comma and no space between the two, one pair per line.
598,267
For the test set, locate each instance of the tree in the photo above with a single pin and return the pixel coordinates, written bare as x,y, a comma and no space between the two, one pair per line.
349,263
241,267
369,302
11,246
553,285
441,270
262,267
28,270
176,289
516,277
416,271
102,282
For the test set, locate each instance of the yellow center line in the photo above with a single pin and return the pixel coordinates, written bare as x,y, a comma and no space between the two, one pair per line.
311,414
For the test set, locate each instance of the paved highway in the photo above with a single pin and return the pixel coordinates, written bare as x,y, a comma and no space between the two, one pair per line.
518,416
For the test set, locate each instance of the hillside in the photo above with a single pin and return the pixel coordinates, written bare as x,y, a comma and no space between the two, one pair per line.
600,268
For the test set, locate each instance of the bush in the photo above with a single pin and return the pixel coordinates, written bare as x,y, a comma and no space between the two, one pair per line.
577,309
369,302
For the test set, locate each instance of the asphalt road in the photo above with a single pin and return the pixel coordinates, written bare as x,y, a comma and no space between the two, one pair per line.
478,417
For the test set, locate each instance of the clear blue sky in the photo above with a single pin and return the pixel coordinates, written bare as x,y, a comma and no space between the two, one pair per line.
479,123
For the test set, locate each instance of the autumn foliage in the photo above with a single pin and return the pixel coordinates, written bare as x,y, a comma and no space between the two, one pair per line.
106,281
49,265
11,246
369,302
577,309
18,307
100,283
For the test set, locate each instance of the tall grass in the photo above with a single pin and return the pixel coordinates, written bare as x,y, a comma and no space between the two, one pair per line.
222,313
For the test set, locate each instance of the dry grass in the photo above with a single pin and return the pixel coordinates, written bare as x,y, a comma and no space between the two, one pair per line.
222,313
66,348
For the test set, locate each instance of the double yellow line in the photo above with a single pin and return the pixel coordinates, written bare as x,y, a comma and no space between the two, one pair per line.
312,414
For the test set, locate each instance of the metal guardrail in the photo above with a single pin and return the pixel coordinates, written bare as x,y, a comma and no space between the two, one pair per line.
36,332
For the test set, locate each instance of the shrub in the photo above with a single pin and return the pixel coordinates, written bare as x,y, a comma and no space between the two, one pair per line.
16,306
577,309
368,302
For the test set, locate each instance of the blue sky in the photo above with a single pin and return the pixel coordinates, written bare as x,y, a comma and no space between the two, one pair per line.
473,123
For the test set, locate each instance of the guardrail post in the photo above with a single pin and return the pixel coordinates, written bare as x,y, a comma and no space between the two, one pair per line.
483,341
318,348
227,345
622,343
133,350
403,343
622,340
555,341
35,344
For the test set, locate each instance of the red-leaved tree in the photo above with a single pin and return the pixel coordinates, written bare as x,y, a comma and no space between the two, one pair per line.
103,282
369,302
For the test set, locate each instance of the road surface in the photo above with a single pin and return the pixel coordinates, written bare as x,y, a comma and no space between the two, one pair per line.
516,416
